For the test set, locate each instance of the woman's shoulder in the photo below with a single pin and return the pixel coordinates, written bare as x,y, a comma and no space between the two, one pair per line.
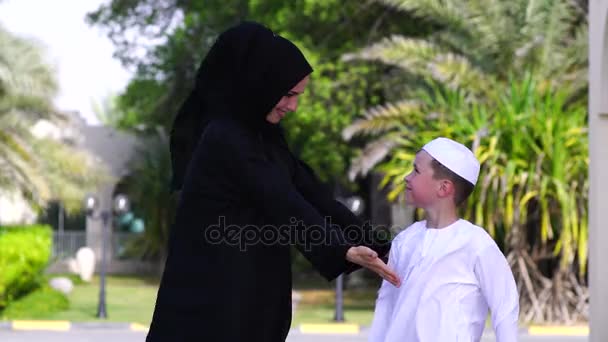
225,125
227,130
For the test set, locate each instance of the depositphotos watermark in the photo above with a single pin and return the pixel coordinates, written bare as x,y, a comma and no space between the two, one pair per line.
295,233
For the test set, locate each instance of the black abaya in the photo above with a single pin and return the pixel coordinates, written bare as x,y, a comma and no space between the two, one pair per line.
245,199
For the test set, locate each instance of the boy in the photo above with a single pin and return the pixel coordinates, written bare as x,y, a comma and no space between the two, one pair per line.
451,271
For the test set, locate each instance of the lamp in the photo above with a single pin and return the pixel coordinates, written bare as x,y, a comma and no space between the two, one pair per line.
92,206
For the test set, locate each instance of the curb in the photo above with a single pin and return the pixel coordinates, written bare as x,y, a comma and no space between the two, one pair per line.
581,330
99,326
345,328
39,325
312,329
330,328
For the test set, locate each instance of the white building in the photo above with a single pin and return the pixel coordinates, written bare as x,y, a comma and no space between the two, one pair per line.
598,171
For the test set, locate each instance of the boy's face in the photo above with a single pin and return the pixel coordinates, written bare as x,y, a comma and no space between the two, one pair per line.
421,189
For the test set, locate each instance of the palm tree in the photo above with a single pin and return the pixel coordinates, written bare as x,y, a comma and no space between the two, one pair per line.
478,44
38,168
504,77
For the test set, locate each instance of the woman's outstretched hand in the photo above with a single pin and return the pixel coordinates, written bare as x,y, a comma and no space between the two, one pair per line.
369,259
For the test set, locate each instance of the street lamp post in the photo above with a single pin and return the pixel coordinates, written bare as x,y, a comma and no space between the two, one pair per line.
354,204
121,206
339,315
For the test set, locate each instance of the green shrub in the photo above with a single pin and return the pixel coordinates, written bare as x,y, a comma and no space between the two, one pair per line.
24,254
36,305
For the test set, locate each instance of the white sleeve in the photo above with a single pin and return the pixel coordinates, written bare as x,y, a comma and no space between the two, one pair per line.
385,301
500,291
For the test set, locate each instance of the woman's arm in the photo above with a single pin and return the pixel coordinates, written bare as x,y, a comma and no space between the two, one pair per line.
355,231
268,188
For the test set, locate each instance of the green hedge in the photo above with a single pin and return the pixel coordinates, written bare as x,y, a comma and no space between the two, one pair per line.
24,254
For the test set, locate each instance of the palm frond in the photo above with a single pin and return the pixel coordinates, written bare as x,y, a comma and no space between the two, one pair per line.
427,60
23,176
70,173
547,34
410,54
23,70
448,13
494,23
371,155
457,73
382,119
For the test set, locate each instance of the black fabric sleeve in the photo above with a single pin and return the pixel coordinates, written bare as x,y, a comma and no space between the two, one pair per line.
356,232
272,192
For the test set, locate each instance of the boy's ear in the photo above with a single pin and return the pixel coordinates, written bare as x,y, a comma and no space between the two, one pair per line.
446,188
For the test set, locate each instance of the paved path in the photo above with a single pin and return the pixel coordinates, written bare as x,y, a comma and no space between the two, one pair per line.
128,336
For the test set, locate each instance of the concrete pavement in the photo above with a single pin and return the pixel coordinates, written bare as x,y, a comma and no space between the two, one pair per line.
139,336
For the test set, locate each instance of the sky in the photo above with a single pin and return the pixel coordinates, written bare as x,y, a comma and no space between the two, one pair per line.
80,54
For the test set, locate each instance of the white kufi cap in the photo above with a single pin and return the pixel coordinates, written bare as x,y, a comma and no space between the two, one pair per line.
455,156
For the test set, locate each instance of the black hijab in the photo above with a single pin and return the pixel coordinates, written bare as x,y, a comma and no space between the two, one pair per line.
244,75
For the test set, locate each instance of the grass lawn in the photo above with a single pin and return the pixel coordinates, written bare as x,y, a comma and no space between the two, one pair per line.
318,306
128,299
131,299
318,302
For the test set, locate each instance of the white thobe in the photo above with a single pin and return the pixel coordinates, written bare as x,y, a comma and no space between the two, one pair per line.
450,277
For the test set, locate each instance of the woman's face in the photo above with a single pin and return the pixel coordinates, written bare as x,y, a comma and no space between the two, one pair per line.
288,103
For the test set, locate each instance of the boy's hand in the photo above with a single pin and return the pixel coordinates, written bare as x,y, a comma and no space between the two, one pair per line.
369,259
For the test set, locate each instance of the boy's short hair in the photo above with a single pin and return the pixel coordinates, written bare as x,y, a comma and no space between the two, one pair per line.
462,188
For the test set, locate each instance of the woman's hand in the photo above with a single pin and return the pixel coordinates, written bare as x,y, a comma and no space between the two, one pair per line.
369,259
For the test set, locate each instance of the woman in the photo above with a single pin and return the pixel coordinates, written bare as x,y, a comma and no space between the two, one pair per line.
245,199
